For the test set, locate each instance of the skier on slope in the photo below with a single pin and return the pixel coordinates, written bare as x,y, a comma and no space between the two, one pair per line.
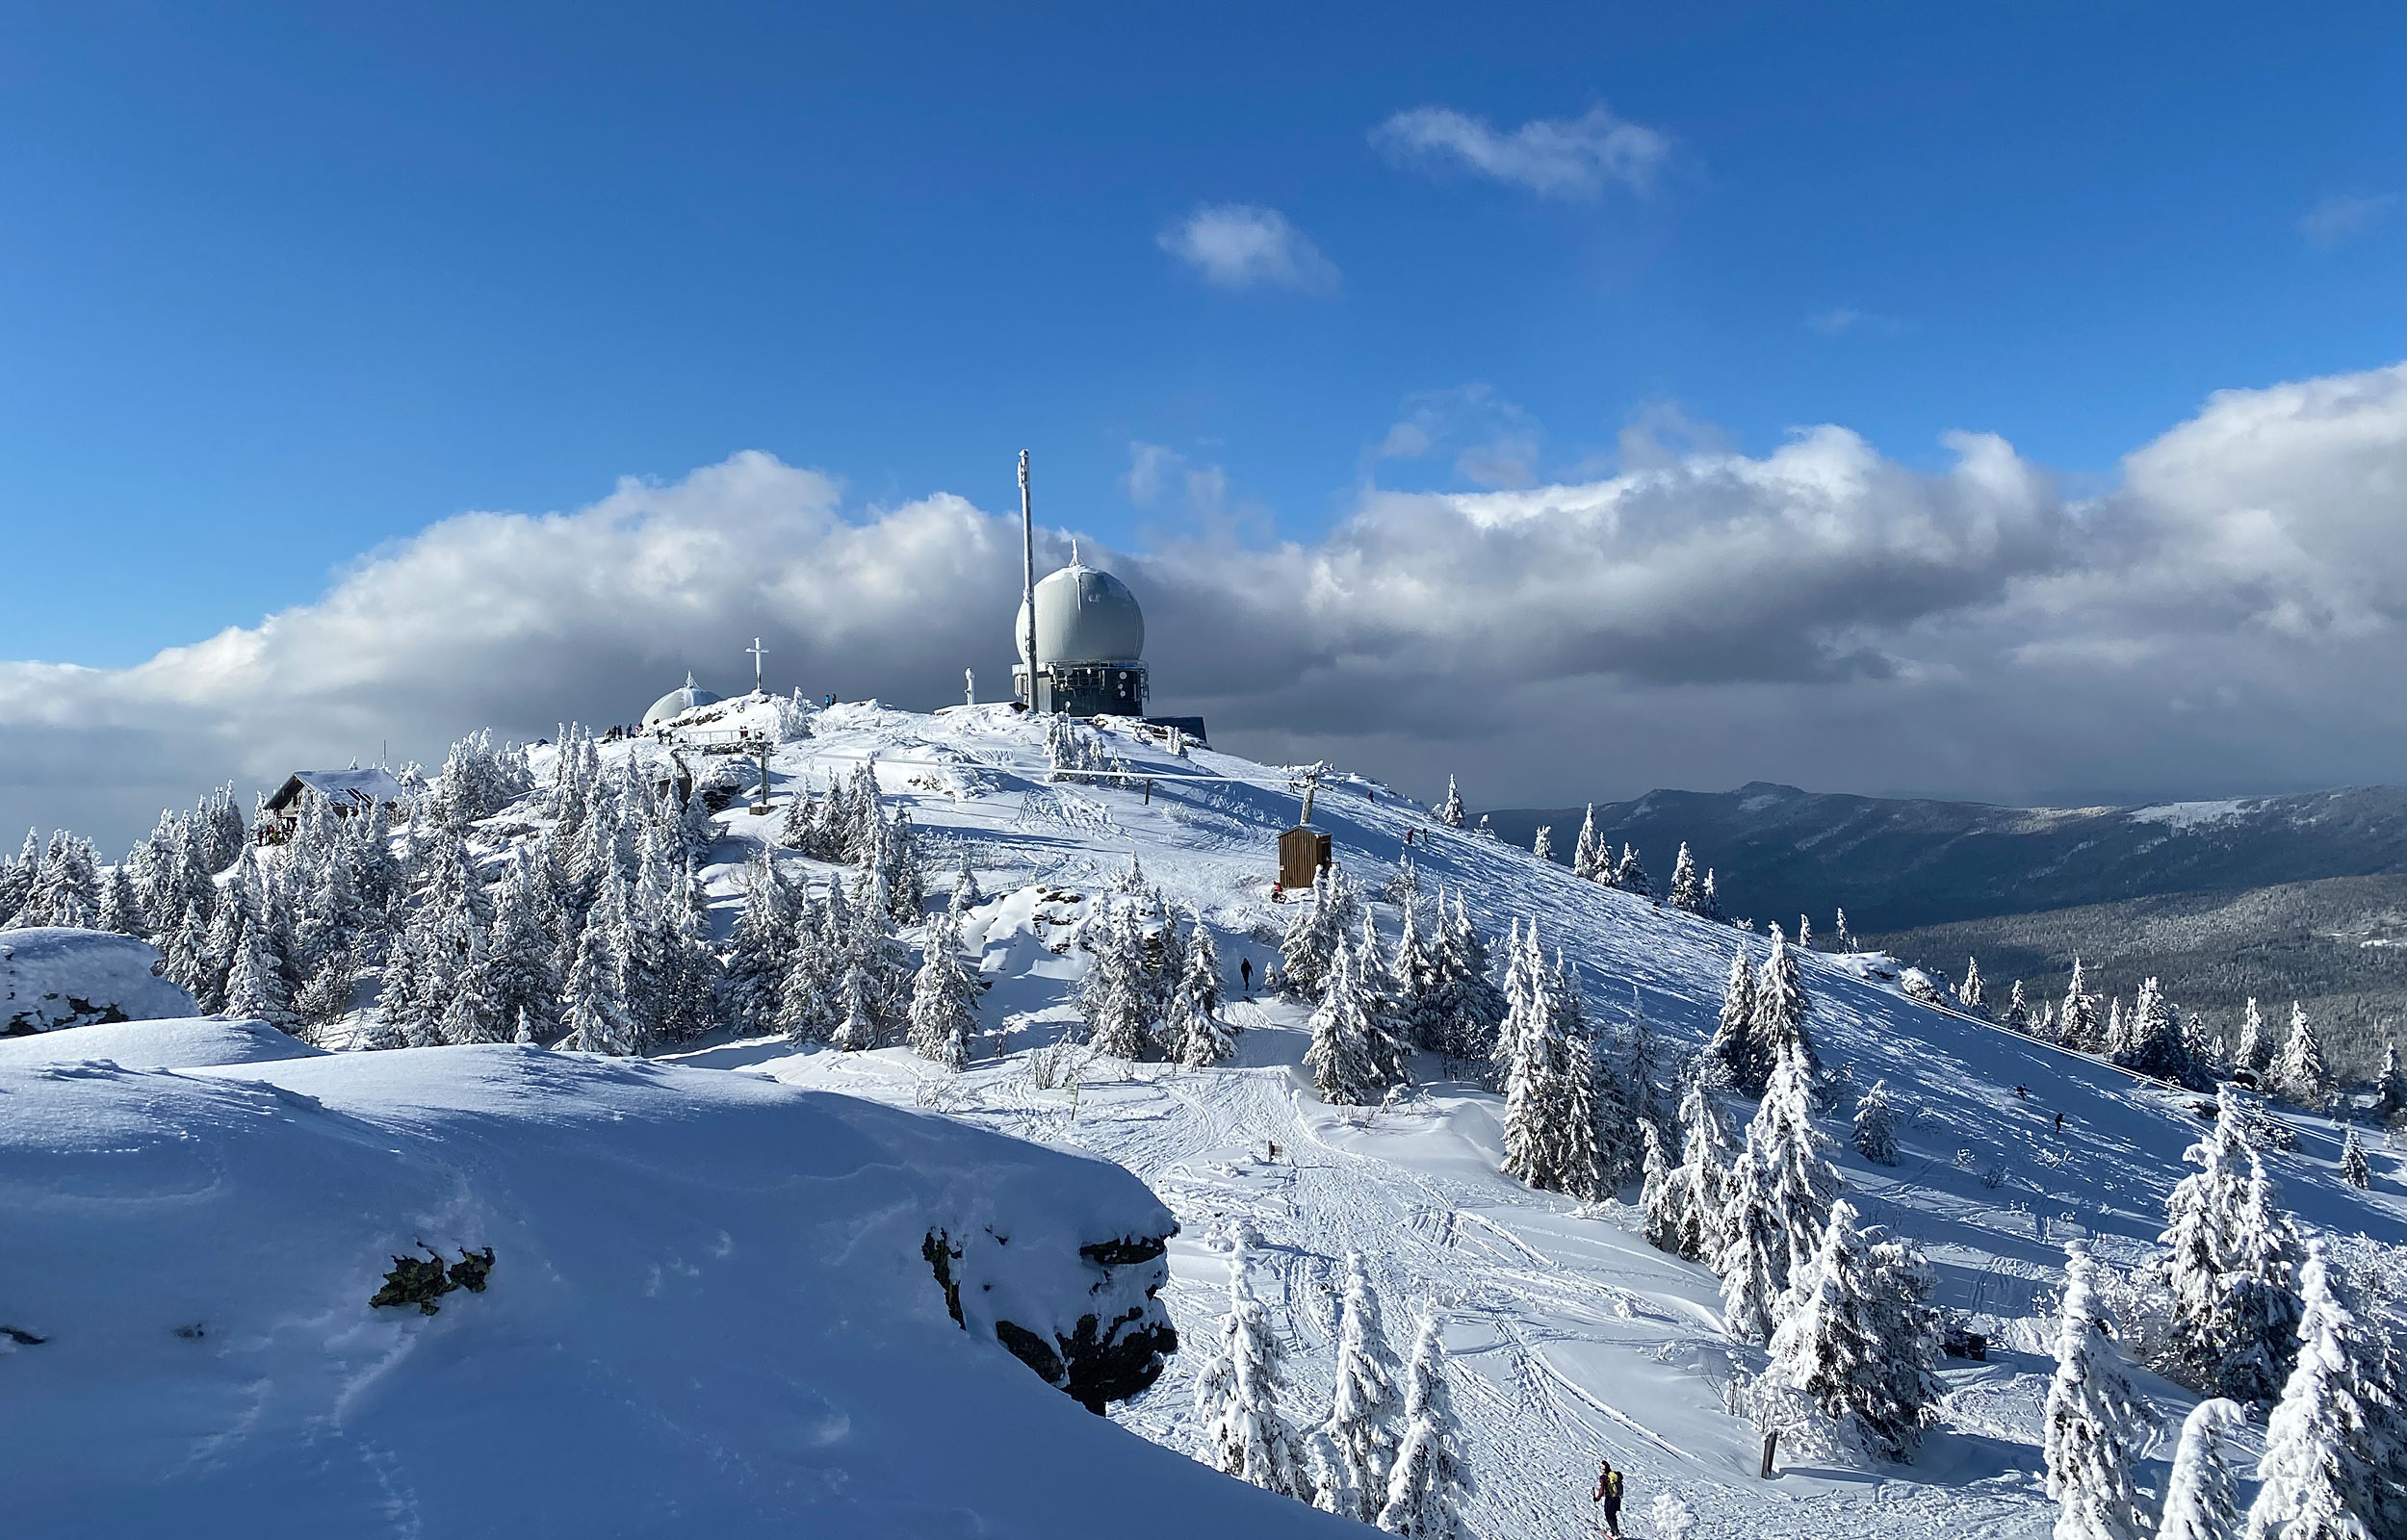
1609,1493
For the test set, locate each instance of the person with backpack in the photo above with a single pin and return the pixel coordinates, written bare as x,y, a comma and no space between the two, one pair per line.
1609,1493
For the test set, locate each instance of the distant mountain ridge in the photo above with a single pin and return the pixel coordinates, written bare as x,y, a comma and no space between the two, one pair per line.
1894,863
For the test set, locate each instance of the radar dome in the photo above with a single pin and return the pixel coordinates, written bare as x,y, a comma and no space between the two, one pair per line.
1082,616
678,702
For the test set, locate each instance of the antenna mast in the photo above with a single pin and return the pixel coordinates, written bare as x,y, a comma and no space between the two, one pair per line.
1028,584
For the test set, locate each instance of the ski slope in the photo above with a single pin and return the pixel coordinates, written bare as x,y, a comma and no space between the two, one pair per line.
1571,1336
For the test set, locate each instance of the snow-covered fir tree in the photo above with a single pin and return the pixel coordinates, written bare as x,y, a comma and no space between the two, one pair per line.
1972,992
1473,1008
1709,898
1241,1431
1113,997
2389,1087
2076,1020
1428,1481
1542,846
1587,856
1661,1196
1804,932
1780,1008
943,1001
1754,1255
1800,1182
521,981
1733,1042
1702,1177
1551,1124
1347,1057
2199,1218
594,1003
2094,1421
1843,939
857,1028
2254,1053
2152,1042
1450,812
1876,1126
2201,1500
2298,1075
1629,874
2017,1008
764,945
2255,1323
2355,1170
1201,1036
120,907
1687,889
1364,1407
254,985
2316,1458
1859,1335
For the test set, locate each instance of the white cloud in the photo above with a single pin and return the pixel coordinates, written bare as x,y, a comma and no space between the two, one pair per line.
1495,443
2336,219
2227,619
1552,157
1243,245
1839,320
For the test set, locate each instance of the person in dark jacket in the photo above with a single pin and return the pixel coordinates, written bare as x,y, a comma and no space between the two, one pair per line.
1609,1493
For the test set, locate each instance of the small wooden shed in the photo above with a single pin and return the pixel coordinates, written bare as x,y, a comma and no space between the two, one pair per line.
1302,851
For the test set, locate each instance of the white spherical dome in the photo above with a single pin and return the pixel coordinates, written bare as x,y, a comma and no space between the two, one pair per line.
1082,616
678,702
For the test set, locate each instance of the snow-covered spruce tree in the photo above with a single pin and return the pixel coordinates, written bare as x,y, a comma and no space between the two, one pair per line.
1365,1406
1474,1007
1607,1100
1687,891
2201,1502
1426,1483
1843,939
1753,1259
327,993
857,1029
1804,932
1800,1181
519,966
807,1008
2152,1038
2198,1221
1312,936
1662,1199
254,986
2018,1009
1450,812
690,974
1780,1009
1703,1175
2389,1087
1876,1128
1859,1335
2094,1419
1733,1044
1416,984
1346,1057
1199,1034
2077,1021
183,957
965,894
1972,992
2254,1052
1240,1430
1542,846
1590,853
1112,997
1709,898
2255,1322
120,907
2207,1061
2355,1170
2298,1071
1553,1120
758,963
594,1009
944,1002
906,877
1629,874
2314,1456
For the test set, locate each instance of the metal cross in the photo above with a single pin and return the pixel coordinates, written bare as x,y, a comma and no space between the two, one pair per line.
758,653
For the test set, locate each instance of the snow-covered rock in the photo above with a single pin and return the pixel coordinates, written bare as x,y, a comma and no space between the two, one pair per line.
710,1309
53,977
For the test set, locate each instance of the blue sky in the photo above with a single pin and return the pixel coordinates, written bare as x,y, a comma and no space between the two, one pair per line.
278,284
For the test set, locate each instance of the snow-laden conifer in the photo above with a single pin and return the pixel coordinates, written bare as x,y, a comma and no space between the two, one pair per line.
2314,1453
857,1028
1843,939
1450,812
1201,1036
2355,1170
2199,1218
1703,1173
2076,1020
1687,889
1588,855
2018,1007
2201,1502
2389,1087
1972,992
1661,1196
1753,1258
1733,1042
2254,1052
254,986
1427,1481
1804,932
2094,1421
944,1002
1113,997
594,1005
1859,1335
1629,874
1345,1055
520,981
1364,1408
2253,1330
1780,1009
2298,1071
1876,1128
1542,846
2153,1043
1800,1181
1240,1430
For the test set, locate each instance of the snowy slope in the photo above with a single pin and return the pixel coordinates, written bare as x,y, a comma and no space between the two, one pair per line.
176,1043
1573,1337
708,1314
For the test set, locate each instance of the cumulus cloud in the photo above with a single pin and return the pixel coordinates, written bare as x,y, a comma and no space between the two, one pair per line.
1553,156
2226,619
2338,218
1243,245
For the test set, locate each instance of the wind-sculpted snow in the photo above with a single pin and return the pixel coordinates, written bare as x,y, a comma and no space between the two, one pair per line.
1569,1336
709,1311
53,977
180,1043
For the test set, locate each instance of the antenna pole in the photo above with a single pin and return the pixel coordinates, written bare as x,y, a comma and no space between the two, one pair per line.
1027,574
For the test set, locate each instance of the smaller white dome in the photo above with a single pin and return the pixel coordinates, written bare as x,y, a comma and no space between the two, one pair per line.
678,702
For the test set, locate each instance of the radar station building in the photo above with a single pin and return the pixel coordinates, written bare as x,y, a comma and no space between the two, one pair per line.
1090,645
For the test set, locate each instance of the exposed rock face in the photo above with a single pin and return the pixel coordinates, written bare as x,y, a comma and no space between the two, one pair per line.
1105,1342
